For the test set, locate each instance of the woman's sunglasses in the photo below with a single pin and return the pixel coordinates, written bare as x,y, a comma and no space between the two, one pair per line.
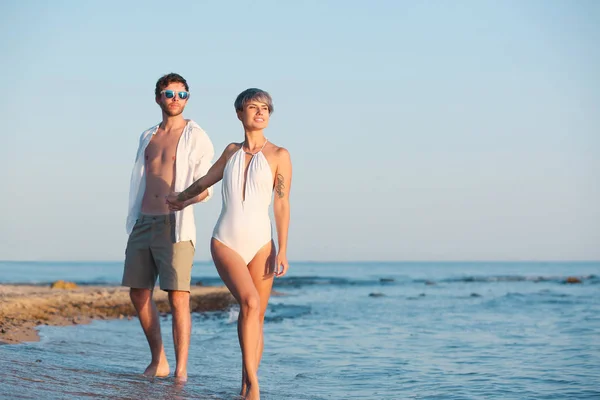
169,94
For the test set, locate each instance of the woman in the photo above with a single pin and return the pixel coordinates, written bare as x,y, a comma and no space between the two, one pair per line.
242,247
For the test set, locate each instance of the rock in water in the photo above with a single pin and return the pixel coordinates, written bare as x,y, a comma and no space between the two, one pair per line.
63,285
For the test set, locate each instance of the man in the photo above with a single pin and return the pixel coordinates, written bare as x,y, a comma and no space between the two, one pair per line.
171,155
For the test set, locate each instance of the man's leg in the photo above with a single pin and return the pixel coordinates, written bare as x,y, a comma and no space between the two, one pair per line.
174,261
139,275
182,328
148,315
175,273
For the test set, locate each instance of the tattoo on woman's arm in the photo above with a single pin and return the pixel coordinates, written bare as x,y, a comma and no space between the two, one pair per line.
280,186
194,190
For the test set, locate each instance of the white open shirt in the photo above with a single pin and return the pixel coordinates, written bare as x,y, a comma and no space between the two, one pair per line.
193,159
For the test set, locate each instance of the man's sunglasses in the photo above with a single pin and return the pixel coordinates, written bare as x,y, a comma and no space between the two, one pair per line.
169,94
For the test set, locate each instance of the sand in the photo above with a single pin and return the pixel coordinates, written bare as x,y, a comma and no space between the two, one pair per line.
23,308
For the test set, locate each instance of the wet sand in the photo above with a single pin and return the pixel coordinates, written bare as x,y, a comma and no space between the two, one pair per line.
23,308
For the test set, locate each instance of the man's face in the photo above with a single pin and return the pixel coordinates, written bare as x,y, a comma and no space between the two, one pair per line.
254,115
172,106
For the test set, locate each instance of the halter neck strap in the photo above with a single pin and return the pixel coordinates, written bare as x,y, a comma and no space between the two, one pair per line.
261,149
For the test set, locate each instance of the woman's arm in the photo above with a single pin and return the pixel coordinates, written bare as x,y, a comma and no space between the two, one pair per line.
281,208
214,175
204,153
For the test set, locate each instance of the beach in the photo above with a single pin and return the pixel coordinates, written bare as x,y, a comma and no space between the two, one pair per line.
25,307
361,330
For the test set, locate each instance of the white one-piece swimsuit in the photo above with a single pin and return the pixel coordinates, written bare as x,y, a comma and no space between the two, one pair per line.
244,224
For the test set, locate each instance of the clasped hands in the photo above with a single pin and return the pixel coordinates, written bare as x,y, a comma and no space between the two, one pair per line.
173,203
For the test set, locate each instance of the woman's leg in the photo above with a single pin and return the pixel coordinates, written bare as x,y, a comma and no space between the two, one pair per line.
261,268
236,276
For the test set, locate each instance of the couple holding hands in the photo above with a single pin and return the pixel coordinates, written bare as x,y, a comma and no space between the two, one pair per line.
173,170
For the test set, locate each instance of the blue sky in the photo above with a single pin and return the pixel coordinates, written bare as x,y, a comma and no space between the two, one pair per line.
465,130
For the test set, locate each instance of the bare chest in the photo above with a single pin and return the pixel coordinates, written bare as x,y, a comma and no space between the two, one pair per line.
161,151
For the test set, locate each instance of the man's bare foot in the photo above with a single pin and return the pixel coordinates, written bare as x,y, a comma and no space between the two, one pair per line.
159,369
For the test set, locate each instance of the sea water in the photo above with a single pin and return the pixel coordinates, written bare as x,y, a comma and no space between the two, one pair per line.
364,330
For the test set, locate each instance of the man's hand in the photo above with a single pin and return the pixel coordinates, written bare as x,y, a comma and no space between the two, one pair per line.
281,265
174,204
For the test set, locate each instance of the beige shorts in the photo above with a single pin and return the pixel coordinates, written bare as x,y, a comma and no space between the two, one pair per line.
152,252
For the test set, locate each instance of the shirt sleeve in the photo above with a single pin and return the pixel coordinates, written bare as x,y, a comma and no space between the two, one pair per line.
206,153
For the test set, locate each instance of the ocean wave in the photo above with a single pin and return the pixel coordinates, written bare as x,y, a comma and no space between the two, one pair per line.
301,281
276,312
297,282
522,278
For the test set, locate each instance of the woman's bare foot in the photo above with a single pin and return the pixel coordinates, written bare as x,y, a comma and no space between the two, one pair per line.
245,386
181,377
253,393
159,369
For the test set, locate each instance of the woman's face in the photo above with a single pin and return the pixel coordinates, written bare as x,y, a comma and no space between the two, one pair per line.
254,115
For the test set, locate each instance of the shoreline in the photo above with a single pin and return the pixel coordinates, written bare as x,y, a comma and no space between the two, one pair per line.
25,307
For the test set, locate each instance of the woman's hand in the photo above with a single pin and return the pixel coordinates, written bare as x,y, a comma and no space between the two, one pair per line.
281,265
174,204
